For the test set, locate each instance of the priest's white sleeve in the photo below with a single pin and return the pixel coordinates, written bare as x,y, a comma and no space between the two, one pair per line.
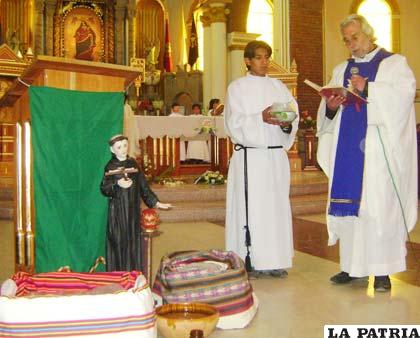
391,95
391,115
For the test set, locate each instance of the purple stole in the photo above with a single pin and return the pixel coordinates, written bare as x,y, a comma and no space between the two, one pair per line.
346,190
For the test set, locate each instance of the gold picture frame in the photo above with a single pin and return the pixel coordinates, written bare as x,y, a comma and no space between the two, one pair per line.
83,35
83,31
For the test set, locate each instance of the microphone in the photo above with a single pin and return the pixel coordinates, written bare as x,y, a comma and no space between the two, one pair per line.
354,70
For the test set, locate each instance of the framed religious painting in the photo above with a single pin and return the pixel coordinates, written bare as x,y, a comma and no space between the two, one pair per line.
81,31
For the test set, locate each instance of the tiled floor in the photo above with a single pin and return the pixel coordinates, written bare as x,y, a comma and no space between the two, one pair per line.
300,305
311,237
306,296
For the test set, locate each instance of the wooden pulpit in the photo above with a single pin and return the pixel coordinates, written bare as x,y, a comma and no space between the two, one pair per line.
59,73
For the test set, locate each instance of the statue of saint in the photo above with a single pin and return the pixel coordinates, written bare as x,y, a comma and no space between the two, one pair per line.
124,184
152,54
13,41
85,42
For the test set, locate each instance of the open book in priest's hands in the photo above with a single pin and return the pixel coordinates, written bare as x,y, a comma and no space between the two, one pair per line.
327,91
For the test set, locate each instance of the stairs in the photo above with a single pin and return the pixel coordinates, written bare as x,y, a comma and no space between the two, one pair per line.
309,197
208,203
193,203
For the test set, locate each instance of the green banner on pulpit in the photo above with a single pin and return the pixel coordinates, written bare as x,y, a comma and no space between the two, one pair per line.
70,133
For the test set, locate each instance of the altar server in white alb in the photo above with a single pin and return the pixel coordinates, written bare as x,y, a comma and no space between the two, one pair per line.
258,214
369,154
197,150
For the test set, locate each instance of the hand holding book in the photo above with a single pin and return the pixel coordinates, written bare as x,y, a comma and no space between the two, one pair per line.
350,96
334,102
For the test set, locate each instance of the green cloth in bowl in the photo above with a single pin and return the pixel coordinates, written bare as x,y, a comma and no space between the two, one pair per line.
285,116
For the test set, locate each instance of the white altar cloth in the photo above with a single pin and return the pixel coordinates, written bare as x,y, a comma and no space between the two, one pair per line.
184,127
159,126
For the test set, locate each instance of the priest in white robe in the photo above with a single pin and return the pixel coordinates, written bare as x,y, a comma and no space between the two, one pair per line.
373,231
259,136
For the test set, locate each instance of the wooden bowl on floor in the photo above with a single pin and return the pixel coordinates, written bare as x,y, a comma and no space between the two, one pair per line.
178,320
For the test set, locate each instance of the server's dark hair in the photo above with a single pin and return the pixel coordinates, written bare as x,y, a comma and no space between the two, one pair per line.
212,102
252,46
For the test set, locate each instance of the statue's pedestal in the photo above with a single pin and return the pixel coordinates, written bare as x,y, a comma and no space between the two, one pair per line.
147,251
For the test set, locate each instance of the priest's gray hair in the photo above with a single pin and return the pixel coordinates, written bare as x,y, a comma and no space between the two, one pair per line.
366,27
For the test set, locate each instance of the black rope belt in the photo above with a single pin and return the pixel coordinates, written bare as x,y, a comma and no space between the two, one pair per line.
239,147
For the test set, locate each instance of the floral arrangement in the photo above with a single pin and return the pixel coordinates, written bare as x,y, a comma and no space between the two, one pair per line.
306,120
210,177
157,104
207,127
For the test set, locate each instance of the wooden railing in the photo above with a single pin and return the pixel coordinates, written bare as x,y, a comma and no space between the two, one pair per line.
164,153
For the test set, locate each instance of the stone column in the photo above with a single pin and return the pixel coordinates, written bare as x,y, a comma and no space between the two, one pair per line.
207,73
281,44
236,42
218,12
120,43
38,42
49,26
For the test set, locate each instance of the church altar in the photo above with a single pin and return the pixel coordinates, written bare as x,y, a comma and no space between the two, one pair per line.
140,127
157,140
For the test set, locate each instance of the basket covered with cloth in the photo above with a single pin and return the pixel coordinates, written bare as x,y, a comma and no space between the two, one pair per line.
62,304
214,277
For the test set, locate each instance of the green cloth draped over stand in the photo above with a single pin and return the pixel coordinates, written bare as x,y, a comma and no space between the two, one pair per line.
70,133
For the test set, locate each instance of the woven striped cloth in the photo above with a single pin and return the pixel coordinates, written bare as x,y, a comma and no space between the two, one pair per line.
131,326
67,282
60,304
227,289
